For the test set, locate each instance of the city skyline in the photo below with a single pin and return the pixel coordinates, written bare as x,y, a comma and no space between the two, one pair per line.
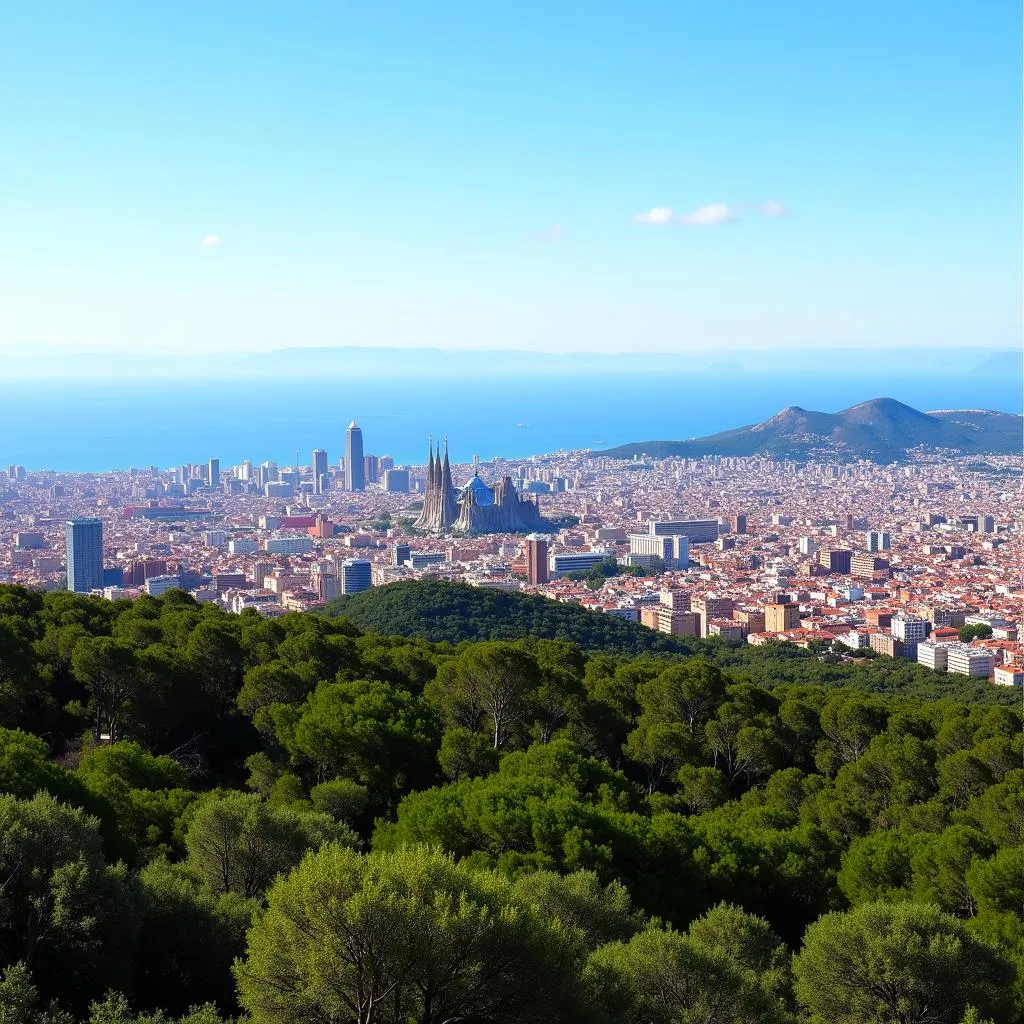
810,175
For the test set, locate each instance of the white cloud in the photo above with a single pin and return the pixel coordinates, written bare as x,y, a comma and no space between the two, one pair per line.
715,213
657,215
209,240
773,208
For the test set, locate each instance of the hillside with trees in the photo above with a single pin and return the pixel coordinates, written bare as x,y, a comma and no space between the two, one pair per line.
445,612
206,816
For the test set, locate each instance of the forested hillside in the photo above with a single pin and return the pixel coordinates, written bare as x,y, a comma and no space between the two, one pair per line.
440,611
204,816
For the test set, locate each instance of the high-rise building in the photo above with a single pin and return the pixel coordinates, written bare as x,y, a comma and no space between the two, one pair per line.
739,523
85,555
781,617
537,569
356,575
371,469
400,554
354,478
396,481
213,473
319,466
877,540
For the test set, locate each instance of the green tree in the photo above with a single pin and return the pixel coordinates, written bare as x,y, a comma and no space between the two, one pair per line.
377,735
409,936
975,631
238,843
20,1002
486,686
188,941
663,977
902,963
465,754
64,912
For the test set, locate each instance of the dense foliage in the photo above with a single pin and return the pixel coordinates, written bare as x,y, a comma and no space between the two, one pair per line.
204,815
445,612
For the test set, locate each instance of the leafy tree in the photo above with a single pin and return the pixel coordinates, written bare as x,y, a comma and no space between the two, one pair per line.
20,1002
466,754
487,686
188,941
602,913
64,912
237,843
404,936
377,735
343,799
975,631
903,962
663,976
877,868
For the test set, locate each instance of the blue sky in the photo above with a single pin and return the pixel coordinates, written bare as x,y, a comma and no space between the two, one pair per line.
471,175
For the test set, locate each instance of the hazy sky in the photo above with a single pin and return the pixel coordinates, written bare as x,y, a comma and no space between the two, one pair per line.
571,176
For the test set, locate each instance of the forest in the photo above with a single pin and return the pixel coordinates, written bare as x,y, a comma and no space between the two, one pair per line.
207,818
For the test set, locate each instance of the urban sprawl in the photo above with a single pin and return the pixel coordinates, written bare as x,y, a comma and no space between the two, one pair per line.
919,560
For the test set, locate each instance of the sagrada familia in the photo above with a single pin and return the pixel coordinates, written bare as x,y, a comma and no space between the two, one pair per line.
477,508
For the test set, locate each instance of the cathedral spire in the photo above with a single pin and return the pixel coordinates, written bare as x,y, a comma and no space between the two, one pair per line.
430,462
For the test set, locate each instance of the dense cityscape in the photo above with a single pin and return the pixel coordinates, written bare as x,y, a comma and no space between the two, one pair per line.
919,560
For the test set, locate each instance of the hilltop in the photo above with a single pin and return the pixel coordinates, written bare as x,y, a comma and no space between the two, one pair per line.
882,429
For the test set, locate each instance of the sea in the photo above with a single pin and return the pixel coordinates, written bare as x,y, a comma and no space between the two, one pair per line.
97,425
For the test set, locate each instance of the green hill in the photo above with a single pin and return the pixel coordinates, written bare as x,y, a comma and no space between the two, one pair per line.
444,612
440,611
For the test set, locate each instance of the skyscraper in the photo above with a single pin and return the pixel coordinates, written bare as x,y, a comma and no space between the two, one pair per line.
85,555
354,479
319,471
213,474
537,569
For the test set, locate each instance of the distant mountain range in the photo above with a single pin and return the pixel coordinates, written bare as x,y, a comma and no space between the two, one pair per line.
882,430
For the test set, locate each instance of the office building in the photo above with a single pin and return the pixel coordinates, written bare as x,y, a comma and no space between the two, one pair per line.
699,531
424,559
400,554
836,560
781,617
261,569
739,523
214,538
964,660
287,545
320,471
537,568
243,546
911,630
396,481
807,546
213,473
354,478
877,540
933,655
371,469
566,562
355,575
650,546
865,566
29,541
711,608
84,555
157,585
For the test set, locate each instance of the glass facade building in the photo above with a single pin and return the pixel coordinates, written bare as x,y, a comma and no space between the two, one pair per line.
85,555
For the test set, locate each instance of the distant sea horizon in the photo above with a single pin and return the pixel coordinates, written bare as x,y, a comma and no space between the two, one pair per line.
96,425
